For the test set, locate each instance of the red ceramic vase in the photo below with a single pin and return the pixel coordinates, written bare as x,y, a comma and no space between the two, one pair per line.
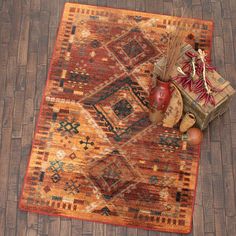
160,95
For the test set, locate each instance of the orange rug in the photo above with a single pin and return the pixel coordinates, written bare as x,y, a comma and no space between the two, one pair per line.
95,155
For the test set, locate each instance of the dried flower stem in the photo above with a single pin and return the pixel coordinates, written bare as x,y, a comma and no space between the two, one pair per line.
175,42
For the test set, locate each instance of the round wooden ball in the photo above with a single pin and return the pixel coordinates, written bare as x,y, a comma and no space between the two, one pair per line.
194,136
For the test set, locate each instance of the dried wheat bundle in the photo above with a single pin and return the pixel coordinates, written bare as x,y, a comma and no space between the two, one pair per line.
176,40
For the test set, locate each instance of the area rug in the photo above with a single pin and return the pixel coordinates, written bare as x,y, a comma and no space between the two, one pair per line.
95,155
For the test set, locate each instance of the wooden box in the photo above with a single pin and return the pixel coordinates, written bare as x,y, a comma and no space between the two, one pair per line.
204,113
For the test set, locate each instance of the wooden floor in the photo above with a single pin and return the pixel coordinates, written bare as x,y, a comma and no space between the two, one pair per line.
27,33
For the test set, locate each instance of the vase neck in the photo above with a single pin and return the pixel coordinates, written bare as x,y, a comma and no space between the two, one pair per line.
162,83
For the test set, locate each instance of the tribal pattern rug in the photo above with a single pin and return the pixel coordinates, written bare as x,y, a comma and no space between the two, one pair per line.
95,155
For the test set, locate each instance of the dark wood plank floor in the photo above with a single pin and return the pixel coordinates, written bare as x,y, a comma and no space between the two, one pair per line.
27,34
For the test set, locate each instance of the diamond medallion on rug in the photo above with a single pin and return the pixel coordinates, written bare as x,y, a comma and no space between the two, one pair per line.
132,49
112,175
95,155
112,110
